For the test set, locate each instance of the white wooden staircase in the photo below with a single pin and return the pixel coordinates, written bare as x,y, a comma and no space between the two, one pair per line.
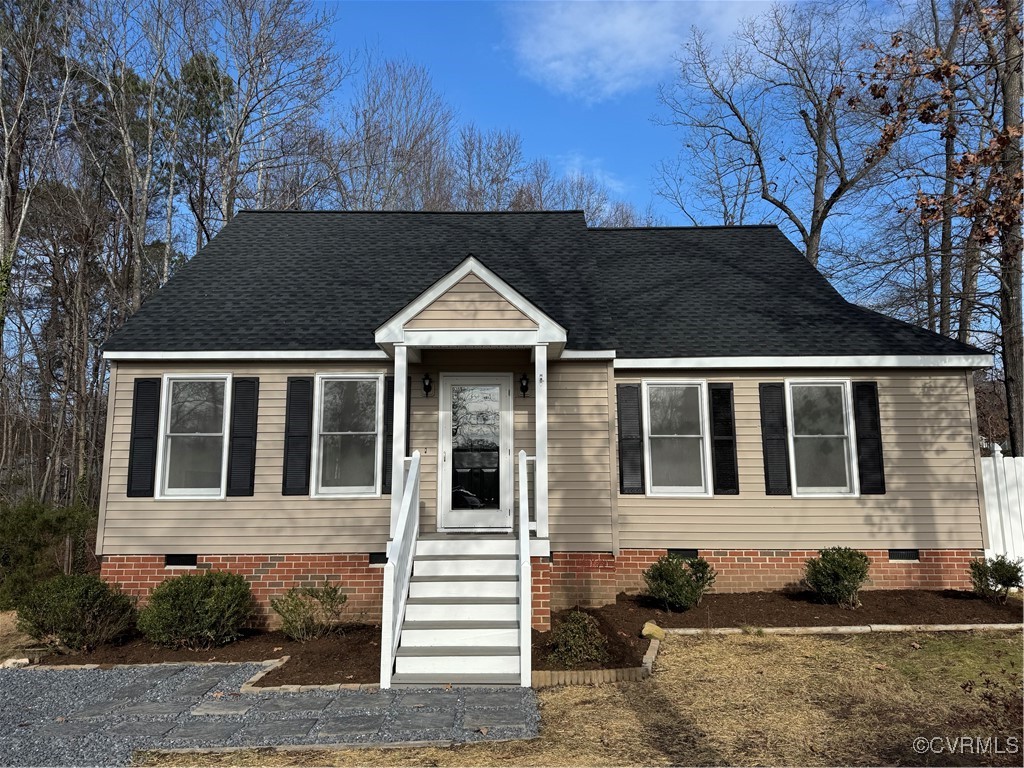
462,615
457,608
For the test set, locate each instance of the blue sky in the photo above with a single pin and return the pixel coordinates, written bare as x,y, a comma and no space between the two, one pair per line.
578,80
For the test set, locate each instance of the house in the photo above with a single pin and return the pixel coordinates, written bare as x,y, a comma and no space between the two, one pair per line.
473,419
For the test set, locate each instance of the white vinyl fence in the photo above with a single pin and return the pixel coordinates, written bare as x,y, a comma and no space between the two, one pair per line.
1004,503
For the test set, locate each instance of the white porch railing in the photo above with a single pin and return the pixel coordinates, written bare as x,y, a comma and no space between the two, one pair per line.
398,570
1004,503
525,580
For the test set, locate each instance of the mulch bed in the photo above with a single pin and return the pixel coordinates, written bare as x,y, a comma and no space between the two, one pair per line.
626,648
352,656
799,609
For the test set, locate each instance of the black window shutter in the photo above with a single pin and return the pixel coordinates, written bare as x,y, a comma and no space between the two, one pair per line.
631,439
388,442
869,437
775,439
144,436
245,395
723,440
298,436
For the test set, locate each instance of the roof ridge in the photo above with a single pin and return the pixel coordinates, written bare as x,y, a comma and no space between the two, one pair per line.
684,226
409,211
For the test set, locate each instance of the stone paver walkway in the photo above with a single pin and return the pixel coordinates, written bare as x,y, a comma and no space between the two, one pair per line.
99,717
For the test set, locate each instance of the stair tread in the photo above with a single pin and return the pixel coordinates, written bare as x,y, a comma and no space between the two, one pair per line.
466,537
482,577
462,601
467,624
458,650
457,558
434,679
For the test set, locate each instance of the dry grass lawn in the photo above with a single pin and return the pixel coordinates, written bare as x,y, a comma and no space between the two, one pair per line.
746,700
10,638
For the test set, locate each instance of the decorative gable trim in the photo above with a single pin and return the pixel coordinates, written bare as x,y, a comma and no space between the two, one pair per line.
394,331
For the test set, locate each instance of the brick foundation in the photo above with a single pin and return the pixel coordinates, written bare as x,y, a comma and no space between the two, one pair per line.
564,580
269,575
595,578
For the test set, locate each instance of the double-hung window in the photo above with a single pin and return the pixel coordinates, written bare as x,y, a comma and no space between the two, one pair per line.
347,455
194,436
676,431
822,458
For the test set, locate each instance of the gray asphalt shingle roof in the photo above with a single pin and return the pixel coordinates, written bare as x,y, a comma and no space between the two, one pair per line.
327,280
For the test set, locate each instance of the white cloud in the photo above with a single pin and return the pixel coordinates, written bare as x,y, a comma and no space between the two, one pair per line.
596,50
577,163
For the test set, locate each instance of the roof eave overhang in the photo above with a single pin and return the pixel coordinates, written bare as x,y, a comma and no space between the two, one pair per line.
815,361
259,354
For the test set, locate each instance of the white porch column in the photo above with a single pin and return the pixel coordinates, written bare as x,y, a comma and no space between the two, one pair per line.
399,431
540,475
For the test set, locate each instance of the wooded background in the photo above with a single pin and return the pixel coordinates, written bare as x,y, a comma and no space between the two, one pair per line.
886,145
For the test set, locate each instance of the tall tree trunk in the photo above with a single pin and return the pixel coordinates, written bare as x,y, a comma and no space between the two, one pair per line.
1010,225
929,273
946,242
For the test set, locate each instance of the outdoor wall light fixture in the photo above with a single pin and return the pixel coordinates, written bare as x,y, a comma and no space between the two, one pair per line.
428,385
524,384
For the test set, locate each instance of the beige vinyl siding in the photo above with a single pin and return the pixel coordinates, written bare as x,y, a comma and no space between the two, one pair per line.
579,456
471,303
266,522
932,489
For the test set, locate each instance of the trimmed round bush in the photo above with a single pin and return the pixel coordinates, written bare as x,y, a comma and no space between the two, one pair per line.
679,583
79,612
309,613
198,610
837,575
994,577
577,640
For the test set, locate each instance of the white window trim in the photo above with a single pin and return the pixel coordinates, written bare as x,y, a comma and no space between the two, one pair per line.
162,423
314,479
705,423
853,462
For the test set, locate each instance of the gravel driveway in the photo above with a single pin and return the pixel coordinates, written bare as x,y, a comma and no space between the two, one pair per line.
99,716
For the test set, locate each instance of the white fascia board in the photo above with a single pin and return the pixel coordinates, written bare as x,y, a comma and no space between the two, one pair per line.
266,354
471,337
587,354
393,331
840,361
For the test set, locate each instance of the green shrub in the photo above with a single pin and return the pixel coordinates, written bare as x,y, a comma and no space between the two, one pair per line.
679,583
308,613
37,542
577,640
837,575
994,577
198,610
79,612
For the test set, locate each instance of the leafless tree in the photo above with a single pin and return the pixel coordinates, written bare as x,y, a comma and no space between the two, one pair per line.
781,101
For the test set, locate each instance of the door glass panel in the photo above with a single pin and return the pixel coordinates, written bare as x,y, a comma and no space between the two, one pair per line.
476,441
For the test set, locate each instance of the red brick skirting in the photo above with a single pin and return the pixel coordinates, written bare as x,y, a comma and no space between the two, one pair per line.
594,578
564,580
269,575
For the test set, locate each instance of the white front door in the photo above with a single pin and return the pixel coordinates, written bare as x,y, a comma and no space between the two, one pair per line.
474,486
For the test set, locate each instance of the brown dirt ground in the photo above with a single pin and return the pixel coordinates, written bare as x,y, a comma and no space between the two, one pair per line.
799,609
745,700
10,638
352,656
626,648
